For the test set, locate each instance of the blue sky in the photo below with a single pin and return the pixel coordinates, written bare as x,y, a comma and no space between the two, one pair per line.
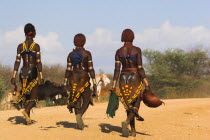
94,18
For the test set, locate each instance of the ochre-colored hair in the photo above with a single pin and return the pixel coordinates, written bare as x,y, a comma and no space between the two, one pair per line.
79,40
127,35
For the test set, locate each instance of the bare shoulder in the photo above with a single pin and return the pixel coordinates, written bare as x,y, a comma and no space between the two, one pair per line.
19,46
37,47
69,54
137,49
119,49
88,52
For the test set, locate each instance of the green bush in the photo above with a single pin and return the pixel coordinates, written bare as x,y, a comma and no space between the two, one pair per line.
174,72
2,89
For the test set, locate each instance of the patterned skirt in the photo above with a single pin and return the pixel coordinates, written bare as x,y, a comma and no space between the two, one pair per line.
130,86
79,81
28,79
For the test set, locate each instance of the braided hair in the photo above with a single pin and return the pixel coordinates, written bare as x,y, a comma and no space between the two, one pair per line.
29,29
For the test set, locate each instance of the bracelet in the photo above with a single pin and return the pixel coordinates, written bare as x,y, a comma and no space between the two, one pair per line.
65,81
94,81
114,84
40,74
17,60
14,74
38,60
90,68
145,82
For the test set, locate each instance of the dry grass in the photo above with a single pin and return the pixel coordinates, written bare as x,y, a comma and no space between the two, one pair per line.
56,74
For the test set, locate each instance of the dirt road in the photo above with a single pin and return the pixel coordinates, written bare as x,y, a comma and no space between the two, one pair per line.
178,119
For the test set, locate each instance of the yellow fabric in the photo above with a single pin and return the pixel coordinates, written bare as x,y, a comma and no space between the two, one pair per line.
76,95
30,48
29,87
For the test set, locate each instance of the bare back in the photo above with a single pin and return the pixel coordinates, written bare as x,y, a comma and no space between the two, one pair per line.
129,56
28,51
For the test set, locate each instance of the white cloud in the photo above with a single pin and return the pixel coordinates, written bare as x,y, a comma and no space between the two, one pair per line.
51,49
168,36
103,48
103,44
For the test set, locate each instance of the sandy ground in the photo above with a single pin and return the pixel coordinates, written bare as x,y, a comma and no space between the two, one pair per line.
178,119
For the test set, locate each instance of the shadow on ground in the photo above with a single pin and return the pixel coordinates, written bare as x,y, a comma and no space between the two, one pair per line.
18,120
47,128
66,124
108,128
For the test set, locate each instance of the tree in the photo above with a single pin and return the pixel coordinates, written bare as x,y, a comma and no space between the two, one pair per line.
2,89
176,71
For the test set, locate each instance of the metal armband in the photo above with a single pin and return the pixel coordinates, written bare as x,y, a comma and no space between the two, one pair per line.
140,67
18,60
18,55
65,81
69,69
38,60
14,74
40,74
146,82
114,84
90,68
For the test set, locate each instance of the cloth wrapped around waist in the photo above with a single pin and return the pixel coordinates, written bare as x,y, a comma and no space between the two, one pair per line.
28,78
130,86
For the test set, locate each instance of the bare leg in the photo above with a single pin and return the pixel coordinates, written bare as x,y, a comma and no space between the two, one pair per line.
31,104
125,130
85,104
133,129
77,109
131,114
132,122
86,95
26,112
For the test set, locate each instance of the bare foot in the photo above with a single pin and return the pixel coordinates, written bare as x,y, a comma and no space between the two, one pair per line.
28,120
80,123
125,130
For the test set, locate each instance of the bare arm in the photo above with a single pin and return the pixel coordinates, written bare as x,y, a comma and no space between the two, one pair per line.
17,64
116,70
38,62
68,70
90,68
141,69
92,73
